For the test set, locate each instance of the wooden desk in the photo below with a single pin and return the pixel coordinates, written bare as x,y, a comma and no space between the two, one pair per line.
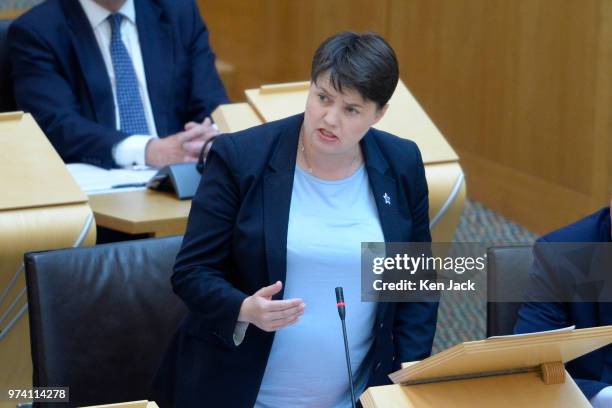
141,212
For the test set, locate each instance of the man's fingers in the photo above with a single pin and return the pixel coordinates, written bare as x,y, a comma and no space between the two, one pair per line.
190,125
193,146
194,132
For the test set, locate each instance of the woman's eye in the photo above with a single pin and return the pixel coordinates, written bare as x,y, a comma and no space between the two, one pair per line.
322,97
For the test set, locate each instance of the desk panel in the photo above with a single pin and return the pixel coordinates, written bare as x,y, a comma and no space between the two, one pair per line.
141,212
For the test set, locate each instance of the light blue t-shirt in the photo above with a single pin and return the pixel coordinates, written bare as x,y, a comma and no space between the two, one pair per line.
328,220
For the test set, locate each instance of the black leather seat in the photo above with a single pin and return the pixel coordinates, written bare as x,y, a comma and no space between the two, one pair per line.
507,277
101,318
7,99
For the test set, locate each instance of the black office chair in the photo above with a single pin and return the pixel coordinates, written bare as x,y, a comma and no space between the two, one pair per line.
102,317
507,278
7,98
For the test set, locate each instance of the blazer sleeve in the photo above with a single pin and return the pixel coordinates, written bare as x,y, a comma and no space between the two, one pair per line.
203,268
543,308
415,322
41,89
207,91
535,316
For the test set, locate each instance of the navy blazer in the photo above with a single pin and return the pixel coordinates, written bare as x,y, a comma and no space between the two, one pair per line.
593,371
60,77
236,243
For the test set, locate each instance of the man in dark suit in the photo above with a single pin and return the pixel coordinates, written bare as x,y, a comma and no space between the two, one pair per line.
592,372
117,82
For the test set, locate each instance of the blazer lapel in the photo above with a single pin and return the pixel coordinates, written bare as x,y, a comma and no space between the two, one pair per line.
384,189
277,189
156,45
91,62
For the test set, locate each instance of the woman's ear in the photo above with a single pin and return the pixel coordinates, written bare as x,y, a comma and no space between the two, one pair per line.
380,113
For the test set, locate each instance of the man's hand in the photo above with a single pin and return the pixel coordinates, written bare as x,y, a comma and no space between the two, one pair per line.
267,314
207,131
180,147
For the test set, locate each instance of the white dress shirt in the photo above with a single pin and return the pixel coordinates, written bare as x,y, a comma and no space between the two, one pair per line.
131,150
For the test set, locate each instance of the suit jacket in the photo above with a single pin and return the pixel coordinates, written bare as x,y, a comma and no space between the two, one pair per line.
60,77
593,371
236,243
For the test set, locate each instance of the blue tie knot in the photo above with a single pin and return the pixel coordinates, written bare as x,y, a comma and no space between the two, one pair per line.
115,22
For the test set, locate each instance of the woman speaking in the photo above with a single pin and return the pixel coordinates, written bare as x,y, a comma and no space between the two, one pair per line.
277,224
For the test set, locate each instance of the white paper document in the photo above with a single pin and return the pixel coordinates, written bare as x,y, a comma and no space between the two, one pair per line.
514,336
96,180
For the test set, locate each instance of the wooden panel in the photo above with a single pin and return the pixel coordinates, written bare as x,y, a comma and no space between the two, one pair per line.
133,404
441,180
520,390
235,117
272,41
522,84
34,175
505,353
515,85
602,163
524,198
142,211
444,376
11,14
24,230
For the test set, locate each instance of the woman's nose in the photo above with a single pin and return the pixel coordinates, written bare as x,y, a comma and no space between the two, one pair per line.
331,117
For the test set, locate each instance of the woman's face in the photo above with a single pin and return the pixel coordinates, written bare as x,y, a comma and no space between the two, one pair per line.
335,122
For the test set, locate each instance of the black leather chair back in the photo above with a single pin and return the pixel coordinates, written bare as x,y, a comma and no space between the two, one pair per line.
7,98
101,318
507,278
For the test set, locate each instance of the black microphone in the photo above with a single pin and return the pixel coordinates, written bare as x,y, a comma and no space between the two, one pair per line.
342,313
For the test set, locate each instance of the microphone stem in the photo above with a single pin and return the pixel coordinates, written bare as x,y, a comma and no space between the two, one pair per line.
348,363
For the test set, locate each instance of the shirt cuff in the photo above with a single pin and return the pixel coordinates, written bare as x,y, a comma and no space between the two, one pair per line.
131,151
603,398
239,332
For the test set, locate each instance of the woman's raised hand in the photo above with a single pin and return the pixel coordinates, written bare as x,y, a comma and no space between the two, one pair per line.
270,315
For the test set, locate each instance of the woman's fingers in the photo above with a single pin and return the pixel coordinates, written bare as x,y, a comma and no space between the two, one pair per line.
287,313
284,323
280,305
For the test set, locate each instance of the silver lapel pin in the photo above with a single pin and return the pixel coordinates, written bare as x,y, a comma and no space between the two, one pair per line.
387,199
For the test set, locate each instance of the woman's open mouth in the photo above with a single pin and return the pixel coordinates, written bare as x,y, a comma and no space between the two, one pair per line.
326,136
